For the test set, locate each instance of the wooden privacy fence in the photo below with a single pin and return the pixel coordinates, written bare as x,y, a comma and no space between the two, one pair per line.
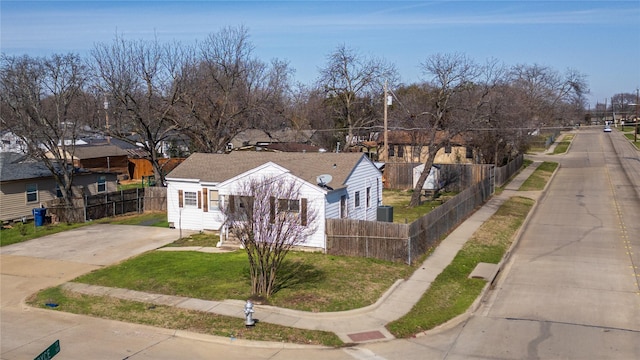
407,242
155,199
504,173
400,175
99,206
404,242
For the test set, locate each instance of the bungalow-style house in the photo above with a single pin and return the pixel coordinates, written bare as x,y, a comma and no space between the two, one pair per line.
411,147
334,185
25,185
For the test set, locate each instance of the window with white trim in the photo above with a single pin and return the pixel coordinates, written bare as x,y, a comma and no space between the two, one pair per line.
32,193
356,198
214,200
190,198
102,183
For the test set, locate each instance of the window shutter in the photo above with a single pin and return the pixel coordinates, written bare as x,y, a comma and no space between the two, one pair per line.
199,199
232,204
272,209
180,198
303,211
205,200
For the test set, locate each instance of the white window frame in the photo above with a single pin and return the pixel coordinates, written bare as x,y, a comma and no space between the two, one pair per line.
356,199
31,190
191,199
101,184
215,199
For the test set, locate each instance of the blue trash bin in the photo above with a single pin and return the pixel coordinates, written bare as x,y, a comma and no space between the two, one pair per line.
38,216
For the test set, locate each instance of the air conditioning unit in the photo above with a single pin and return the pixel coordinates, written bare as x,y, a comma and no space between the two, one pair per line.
385,213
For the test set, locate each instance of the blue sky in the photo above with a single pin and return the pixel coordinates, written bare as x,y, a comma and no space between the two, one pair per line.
600,39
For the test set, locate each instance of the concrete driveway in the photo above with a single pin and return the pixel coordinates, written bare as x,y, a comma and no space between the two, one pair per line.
48,261
100,244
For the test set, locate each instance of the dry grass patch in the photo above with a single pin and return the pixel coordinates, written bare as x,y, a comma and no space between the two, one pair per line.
178,319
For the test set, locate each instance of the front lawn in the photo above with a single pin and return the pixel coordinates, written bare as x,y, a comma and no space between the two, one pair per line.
308,281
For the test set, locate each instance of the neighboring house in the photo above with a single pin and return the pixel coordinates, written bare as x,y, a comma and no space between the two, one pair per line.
27,185
11,143
101,158
199,187
410,147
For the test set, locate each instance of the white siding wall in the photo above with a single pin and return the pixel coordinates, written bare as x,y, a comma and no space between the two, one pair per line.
333,204
187,217
365,175
313,194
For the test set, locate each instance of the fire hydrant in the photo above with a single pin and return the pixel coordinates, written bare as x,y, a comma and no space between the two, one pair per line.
248,313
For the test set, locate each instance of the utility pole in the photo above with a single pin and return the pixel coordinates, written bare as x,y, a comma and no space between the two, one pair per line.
635,131
385,150
106,115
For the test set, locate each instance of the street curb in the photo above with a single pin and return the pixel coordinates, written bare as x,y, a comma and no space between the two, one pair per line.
183,334
330,315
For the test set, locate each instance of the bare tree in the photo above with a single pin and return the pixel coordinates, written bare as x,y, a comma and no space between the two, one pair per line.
230,91
545,93
270,218
142,82
40,98
453,78
353,84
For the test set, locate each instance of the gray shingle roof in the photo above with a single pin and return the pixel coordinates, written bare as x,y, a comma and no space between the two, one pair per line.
307,166
15,167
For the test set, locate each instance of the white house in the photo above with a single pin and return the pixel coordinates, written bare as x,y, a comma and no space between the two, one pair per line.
334,185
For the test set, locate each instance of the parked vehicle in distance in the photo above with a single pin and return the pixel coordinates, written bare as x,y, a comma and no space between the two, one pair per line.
607,129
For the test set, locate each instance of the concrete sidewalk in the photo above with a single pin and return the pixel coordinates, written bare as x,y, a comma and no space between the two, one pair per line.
354,326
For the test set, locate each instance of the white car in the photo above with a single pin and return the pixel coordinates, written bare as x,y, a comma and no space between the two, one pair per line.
607,129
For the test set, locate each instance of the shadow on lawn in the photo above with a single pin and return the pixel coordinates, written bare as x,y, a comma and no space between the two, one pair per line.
293,273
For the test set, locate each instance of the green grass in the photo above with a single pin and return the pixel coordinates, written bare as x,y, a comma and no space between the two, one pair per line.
563,145
158,219
540,177
452,292
404,214
308,281
19,232
204,239
179,319
631,137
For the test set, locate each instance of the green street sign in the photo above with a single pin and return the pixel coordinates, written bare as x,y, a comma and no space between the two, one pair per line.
50,352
